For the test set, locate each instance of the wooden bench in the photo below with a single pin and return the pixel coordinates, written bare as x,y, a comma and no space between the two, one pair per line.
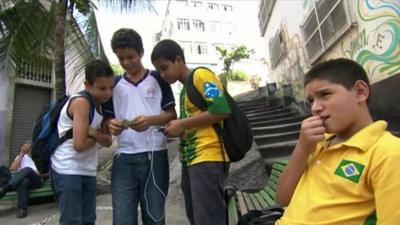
242,202
44,191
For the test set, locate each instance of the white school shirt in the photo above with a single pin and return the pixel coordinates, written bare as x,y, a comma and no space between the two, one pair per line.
66,160
150,96
26,161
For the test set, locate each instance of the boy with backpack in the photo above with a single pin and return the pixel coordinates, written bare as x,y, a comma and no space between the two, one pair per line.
74,162
25,179
142,102
344,168
204,160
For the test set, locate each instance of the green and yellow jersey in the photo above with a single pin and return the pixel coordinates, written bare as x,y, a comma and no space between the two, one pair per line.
201,144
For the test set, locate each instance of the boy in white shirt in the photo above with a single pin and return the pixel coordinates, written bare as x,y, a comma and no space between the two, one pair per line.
26,178
74,162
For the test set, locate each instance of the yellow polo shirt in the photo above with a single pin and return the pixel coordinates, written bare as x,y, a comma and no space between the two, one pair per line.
201,144
356,182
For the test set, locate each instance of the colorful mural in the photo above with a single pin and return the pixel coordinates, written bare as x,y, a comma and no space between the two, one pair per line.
376,45
373,41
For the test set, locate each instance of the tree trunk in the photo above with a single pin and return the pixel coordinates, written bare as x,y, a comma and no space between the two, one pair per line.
59,47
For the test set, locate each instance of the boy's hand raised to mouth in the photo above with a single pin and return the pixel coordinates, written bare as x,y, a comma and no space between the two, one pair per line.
312,131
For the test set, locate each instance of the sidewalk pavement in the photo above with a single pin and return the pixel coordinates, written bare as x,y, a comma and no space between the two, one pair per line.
47,214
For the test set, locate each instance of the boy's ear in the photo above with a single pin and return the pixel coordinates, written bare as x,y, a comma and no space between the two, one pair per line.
87,84
361,89
179,59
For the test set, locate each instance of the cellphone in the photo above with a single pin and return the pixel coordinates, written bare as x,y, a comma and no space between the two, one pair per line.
161,129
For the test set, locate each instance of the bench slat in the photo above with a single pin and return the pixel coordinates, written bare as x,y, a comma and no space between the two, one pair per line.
267,196
232,211
261,200
242,202
249,203
255,201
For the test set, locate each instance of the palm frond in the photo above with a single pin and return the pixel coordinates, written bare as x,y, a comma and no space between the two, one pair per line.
26,35
77,52
129,5
92,36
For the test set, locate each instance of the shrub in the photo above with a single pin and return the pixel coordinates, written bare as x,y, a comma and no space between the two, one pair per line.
237,75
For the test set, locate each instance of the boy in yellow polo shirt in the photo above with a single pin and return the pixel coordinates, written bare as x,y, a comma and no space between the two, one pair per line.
350,176
202,155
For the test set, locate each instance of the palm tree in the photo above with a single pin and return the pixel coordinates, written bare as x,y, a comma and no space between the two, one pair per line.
40,30
229,57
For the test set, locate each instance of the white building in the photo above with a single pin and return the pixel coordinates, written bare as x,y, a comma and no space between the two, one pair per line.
199,26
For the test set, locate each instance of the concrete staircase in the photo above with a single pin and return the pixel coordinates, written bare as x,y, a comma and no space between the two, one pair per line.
275,128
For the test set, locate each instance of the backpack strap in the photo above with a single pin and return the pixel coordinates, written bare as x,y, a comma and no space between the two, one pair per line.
197,99
193,94
84,93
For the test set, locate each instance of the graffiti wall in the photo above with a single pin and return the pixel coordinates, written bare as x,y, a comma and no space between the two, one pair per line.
374,42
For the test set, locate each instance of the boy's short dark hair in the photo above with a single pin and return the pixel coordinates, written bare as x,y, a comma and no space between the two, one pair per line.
97,68
340,71
167,49
127,38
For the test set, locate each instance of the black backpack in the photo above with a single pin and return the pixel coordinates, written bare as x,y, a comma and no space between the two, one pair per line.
267,216
45,137
236,134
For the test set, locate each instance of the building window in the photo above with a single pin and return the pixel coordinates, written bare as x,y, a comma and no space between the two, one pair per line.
186,47
264,14
277,48
227,8
183,24
182,2
198,25
325,24
230,28
196,4
213,6
201,48
215,26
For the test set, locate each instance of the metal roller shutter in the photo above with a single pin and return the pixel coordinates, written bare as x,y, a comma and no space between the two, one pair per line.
28,103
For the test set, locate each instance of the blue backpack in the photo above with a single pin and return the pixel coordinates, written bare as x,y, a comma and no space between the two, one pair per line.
45,137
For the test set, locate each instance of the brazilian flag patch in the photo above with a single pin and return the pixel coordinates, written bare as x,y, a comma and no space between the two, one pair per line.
350,170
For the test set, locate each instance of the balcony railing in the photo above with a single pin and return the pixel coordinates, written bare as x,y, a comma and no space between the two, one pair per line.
39,72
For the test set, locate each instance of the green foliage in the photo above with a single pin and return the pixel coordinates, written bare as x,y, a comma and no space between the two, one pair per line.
229,57
118,70
22,38
83,6
240,75
27,32
237,75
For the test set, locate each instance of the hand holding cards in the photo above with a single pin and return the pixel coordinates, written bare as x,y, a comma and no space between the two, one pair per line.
127,123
